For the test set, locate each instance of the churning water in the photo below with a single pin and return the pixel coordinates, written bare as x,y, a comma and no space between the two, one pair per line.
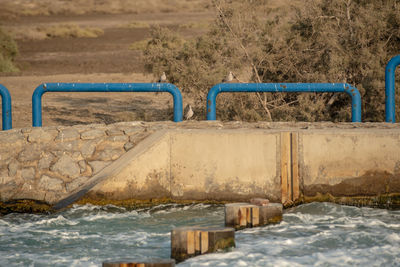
318,234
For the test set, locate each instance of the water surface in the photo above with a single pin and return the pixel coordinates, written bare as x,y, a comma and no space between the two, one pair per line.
319,234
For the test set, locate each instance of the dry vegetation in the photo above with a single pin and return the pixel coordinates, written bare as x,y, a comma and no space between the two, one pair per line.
316,41
14,8
53,31
136,25
139,45
258,40
8,51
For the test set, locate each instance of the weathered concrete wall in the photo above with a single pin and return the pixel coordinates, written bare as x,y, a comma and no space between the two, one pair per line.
225,164
287,165
200,165
142,173
350,163
285,162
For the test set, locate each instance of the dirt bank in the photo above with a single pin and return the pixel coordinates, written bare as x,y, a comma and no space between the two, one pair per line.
106,58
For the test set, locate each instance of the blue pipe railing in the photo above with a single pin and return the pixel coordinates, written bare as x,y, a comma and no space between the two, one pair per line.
390,101
286,88
6,108
103,87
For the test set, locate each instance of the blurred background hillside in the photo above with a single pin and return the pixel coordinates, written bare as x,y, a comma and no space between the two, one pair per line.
197,43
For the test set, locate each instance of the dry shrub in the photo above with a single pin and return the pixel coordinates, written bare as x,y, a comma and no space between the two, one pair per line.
193,65
25,33
136,25
337,41
54,31
195,25
71,31
139,45
314,41
8,52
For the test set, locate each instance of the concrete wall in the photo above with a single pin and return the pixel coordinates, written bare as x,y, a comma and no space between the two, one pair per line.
350,163
225,164
142,173
200,165
286,165
200,161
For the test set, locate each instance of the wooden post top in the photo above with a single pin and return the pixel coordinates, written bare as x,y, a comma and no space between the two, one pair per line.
154,262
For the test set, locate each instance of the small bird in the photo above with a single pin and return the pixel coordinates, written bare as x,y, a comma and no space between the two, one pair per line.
188,112
163,78
228,78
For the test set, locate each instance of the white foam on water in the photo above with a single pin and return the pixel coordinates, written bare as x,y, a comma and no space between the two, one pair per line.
374,223
335,258
91,207
169,208
393,238
137,238
101,216
214,259
59,220
308,218
4,223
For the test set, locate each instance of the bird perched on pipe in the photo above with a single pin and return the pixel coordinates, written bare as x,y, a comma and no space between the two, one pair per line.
228,78
188,111
163,78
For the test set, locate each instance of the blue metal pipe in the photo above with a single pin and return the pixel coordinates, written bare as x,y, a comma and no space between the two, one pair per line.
6,108
103,87
286,88
390,103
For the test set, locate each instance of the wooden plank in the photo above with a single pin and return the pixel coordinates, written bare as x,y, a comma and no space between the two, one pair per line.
256,216
285,167
204,242
295,166
243,216
197,242
248,216
190,243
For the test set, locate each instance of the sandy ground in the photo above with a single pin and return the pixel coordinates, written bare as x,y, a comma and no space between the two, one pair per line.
103,59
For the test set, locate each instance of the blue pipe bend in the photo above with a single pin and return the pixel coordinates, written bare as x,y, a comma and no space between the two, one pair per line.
285,88
103,87
6,113
390,104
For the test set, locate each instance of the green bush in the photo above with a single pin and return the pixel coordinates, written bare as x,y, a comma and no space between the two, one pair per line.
8,51
316,41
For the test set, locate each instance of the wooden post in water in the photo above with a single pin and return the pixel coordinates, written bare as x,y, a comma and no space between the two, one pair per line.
187,242
245,215
141,263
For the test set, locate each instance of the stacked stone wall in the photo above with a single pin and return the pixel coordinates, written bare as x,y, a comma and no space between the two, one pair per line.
46,163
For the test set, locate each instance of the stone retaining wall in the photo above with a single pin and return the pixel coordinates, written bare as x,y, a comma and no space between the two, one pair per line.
47,163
